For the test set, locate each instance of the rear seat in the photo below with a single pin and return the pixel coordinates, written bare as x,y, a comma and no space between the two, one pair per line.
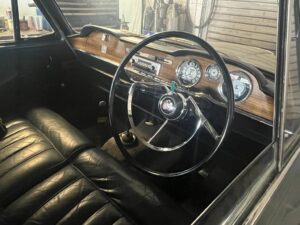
51,174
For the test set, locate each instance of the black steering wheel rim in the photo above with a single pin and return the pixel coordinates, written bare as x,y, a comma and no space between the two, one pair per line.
229,103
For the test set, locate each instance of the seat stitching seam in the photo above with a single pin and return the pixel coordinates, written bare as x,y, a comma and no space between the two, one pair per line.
76,204
81,201
99,210
16,152
15,123
15,141
118,219
27,159
53,196
47,139
39,183
8,136
104,194
86,146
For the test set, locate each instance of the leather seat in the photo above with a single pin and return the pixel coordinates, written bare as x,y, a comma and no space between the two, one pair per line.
51,174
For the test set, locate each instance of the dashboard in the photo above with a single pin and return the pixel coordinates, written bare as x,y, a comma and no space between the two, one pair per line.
193,72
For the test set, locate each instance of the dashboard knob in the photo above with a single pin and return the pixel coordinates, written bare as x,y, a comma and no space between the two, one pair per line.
102,104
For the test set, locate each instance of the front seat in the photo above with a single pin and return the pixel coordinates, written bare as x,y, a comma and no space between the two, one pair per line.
51,174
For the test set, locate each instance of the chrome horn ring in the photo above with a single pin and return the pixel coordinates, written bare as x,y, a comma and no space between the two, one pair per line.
169,115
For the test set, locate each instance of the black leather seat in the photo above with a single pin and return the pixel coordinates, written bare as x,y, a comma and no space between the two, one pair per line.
51,174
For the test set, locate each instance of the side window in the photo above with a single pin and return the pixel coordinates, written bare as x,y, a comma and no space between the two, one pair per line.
32,22
6,22
292,99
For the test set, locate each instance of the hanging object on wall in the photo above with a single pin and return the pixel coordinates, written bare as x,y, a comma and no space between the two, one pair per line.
160,16
124,24
203,19
164,15
172,18
148,20
31,3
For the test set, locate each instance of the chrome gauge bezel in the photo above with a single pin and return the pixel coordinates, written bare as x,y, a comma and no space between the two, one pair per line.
244,76
207,73
178,74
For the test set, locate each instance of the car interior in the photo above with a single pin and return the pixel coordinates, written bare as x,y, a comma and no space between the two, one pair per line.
101,125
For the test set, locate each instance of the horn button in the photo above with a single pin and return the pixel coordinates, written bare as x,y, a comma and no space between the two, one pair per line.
172,106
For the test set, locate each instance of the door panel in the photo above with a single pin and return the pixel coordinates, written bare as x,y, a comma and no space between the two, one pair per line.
31,75
8,81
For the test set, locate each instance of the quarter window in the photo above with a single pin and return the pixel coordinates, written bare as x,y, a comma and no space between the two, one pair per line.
32,22
6,21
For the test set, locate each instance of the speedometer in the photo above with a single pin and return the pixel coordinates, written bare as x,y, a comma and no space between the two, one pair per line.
242,86
188,73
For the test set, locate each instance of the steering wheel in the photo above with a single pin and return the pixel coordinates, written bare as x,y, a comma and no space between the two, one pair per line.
176,104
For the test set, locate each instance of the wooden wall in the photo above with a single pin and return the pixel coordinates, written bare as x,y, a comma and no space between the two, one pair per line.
82,12
249,22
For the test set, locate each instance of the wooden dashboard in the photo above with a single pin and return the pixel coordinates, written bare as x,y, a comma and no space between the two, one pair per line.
113,49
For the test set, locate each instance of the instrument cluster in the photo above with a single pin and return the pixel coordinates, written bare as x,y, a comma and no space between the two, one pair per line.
189,74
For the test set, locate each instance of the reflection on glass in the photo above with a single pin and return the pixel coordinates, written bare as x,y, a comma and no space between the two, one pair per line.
6,21
292,107
32,21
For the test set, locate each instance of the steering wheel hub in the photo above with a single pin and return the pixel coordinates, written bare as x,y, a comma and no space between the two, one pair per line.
172,106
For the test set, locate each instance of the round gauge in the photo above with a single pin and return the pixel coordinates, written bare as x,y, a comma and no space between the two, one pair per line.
188,73
213,72
242,86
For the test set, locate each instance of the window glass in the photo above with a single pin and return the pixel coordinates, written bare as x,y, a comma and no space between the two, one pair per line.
97,12
6,21
32,21
242,29
292,104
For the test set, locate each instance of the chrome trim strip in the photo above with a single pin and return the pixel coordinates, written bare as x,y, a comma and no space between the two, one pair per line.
282,112
158,131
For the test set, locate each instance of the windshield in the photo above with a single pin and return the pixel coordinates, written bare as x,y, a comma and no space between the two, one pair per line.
246,30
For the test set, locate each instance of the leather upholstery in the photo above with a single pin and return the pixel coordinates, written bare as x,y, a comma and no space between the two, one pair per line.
60,133
50,174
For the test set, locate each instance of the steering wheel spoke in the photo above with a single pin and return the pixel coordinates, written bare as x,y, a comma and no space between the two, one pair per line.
204,120
158,131
211,130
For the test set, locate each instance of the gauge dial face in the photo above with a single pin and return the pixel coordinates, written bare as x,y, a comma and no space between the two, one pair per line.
188,73
242,86
213,72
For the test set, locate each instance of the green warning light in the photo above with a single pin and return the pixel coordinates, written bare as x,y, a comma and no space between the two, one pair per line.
173,86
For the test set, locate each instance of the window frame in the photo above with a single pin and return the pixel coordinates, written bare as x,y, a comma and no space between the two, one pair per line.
287,148
18,39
